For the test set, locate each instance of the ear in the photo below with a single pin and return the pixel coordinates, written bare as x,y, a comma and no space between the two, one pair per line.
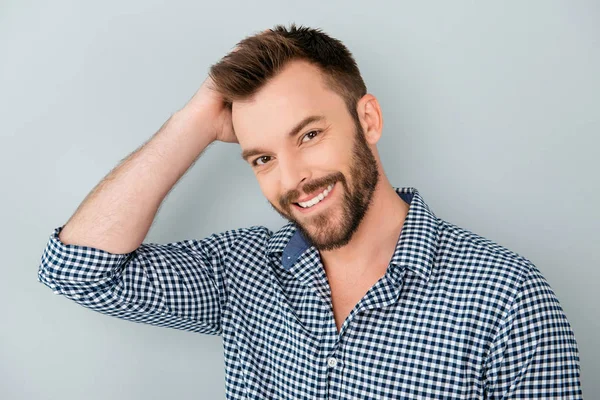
371,120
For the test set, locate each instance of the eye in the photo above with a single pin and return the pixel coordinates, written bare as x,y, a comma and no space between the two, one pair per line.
261,160
311,135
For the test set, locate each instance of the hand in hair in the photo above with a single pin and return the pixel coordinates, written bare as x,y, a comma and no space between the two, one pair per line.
209,101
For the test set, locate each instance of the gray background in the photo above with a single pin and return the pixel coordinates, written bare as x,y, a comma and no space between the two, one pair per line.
491,111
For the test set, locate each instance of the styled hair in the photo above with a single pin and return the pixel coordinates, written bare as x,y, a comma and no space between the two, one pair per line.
256,59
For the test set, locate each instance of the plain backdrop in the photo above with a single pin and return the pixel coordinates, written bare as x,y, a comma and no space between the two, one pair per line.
491,109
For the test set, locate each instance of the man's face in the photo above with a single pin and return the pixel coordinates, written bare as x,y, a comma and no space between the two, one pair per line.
309,155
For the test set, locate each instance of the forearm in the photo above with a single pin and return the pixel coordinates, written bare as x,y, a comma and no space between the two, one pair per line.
117,214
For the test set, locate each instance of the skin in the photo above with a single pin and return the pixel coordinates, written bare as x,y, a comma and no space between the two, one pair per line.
293,168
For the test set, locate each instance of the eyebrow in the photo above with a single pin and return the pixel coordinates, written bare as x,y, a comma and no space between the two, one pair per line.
246,154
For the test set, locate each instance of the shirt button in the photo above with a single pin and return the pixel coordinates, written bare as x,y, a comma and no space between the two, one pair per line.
332,362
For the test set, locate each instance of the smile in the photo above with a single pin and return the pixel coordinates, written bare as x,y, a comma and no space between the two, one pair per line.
317,199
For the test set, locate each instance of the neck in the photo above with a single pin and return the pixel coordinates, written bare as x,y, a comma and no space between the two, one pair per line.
375,240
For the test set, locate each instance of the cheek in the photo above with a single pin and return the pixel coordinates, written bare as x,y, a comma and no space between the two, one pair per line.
329,156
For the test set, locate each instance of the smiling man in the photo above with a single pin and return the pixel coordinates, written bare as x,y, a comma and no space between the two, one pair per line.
364,294
326,154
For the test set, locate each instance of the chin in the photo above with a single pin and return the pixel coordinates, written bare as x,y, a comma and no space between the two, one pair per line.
328,237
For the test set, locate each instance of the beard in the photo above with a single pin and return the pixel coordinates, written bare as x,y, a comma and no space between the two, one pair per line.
327,230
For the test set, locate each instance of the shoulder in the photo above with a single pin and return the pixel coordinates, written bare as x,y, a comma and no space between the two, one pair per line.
481,265
233,240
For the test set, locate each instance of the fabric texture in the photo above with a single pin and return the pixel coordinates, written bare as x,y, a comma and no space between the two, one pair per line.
456,316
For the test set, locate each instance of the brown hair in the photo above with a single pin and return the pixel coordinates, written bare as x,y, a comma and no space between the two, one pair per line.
256,59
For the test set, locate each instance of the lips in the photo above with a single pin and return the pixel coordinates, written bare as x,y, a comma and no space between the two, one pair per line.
315,201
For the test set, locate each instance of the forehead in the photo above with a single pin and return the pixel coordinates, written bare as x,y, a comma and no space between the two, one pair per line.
298,91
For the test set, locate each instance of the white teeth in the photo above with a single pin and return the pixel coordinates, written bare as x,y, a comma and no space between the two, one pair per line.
316,199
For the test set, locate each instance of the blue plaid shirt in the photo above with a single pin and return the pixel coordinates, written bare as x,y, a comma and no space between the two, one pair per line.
456,316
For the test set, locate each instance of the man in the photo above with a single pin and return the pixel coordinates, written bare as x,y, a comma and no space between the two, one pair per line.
364,294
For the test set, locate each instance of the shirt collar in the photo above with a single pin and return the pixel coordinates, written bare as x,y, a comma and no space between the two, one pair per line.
415,250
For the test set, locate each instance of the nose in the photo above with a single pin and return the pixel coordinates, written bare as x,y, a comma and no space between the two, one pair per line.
292,173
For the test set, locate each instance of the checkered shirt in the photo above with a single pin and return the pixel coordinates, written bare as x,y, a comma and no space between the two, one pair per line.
456,316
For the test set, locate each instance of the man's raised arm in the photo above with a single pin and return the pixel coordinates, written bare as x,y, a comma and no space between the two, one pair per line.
98,258
117,214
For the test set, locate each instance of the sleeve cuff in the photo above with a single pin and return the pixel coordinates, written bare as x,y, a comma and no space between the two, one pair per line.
71,268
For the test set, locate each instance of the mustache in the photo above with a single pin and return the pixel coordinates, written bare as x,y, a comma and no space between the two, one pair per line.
293,195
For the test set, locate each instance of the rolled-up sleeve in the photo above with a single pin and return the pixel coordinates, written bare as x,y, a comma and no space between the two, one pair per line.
180,285
534,354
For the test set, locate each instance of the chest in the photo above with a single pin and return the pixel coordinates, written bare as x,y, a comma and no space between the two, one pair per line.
346,293
403,342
